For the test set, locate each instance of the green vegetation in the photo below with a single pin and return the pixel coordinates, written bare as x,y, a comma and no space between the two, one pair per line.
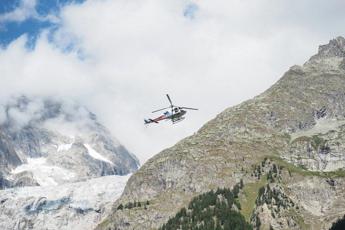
317,142
299,220
250,193
258,170
274,174
134,204
287,137
104,223
268,195
212,210
300,139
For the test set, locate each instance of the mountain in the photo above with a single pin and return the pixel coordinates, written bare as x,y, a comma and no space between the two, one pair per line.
45,141
60,168
287,145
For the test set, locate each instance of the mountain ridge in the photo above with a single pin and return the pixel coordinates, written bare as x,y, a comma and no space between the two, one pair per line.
229,147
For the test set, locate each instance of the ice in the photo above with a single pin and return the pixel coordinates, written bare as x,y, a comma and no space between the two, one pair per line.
44,173
78,204
64,147
95,154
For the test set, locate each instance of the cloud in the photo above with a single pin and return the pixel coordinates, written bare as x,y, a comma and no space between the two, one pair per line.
21,112
63,116
120,58
25,10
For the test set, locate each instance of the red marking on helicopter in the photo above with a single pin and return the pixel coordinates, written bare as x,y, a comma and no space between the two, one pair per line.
175,115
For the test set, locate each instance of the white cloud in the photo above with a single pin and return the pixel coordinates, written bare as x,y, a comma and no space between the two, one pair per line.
136,51
25,10
22,114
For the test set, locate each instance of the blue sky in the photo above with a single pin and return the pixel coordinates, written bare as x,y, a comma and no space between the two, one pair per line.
39,18
190,10
8,5
11,29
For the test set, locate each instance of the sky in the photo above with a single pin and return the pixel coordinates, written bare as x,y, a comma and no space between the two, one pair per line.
120,57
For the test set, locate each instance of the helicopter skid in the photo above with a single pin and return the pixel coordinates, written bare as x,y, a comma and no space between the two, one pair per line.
177,120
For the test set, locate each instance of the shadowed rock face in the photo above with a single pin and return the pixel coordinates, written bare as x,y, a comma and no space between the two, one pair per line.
299,123
8,156
8,159
45,139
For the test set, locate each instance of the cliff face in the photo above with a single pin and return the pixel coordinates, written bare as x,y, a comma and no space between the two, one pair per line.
298,125
8,159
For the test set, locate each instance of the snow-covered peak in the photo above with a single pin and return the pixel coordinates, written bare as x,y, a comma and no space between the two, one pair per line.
59,141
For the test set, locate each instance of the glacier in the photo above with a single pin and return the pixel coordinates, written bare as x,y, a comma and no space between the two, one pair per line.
78,205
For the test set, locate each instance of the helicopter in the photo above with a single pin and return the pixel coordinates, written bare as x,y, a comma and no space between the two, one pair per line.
175,115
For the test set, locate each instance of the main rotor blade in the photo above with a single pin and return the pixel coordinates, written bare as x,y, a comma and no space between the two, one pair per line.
188,108
169,100
160,109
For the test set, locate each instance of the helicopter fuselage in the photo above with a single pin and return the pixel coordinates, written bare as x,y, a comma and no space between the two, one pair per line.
175,117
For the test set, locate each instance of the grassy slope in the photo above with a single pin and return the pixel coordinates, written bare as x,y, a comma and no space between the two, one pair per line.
250,193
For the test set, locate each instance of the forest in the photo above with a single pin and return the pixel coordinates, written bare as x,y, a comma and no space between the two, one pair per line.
218,210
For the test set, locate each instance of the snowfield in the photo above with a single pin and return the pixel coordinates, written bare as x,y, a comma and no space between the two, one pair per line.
64,147
43,173
79,205
93,153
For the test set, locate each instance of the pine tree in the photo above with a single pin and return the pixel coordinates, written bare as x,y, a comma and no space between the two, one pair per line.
241,184
208,211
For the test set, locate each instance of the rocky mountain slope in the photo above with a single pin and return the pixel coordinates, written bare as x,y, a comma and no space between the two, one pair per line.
287,145
44,141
